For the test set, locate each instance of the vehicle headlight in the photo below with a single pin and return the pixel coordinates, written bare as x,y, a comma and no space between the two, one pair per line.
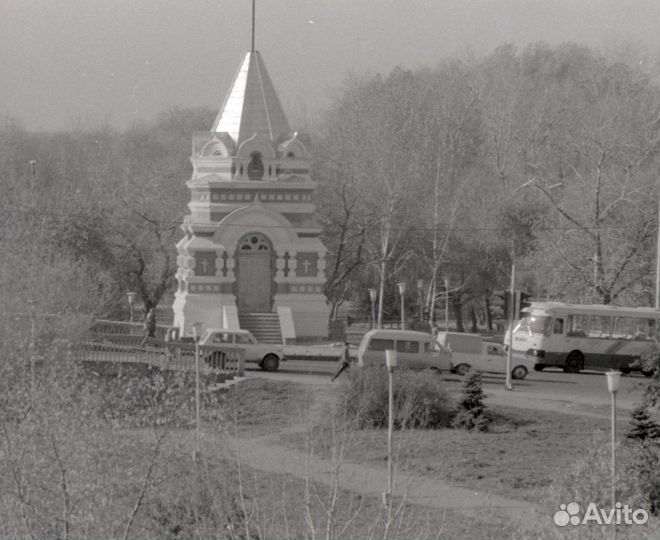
536,352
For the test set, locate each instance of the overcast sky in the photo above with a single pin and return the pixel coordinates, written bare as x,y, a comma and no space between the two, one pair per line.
70,62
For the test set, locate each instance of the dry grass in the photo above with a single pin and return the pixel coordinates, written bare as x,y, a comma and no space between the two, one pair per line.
258,406
518,457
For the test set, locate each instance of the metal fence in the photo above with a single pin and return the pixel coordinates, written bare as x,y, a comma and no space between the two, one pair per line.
118,343
110,328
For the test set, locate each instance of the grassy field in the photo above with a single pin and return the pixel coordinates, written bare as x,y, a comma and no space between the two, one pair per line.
517,457
258,406
113,458
65,474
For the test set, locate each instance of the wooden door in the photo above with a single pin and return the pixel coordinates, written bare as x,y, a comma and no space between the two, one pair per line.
254,282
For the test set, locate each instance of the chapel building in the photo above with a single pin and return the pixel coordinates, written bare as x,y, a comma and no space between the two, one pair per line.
251,256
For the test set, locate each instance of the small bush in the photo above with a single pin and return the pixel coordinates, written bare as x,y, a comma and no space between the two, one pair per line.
420,400
587,479
471,413
642,426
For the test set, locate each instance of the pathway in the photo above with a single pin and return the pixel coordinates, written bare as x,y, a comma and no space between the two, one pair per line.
264,453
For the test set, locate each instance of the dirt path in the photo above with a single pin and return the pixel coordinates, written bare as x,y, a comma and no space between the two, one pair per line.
264,453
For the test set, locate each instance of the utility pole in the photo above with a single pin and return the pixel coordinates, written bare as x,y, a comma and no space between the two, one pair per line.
32,315
657,261
446,304
509,356
198,447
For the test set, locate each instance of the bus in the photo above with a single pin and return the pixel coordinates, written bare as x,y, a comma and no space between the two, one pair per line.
576,337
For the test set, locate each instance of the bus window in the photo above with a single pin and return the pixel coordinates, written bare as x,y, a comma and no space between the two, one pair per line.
558,326
577,325
535,324
599,326
643,329
624,328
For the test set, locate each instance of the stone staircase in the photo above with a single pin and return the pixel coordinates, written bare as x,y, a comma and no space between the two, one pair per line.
264,326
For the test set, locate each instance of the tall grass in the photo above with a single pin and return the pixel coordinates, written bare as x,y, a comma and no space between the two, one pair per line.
587,479
420,399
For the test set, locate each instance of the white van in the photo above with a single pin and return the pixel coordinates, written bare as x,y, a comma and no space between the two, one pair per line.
469,351
415,350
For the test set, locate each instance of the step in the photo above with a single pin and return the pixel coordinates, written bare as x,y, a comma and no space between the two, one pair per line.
264,326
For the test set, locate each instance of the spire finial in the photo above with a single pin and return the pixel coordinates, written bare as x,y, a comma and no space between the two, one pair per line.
253,23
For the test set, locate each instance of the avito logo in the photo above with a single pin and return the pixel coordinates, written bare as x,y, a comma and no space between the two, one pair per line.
621,514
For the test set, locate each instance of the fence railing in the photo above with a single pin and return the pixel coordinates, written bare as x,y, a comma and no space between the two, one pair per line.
134,349
107,327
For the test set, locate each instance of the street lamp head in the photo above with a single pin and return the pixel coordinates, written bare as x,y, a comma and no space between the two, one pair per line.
613,381
131,298
197,329
373,294
390,359
420,283
402,287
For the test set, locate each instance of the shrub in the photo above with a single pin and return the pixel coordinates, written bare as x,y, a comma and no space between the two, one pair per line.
420,400
587,479
197,502
643,427
471,413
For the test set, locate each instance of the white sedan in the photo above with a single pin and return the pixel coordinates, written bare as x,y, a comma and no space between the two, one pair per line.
266,355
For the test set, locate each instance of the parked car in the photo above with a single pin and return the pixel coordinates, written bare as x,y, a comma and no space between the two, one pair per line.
266,355
469,351
415,350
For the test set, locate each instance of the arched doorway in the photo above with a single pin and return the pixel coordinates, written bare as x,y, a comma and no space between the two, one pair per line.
254,273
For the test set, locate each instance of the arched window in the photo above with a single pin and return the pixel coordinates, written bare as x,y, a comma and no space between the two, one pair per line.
254,242
255,168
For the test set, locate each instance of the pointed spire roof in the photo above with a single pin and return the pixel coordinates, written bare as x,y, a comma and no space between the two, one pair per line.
251,106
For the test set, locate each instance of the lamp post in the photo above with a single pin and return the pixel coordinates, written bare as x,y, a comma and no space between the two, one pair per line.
196,331
131,303
509,355
613,381
420,287
402,292
390,361
33,174
446,304
373,295
32,314
657,260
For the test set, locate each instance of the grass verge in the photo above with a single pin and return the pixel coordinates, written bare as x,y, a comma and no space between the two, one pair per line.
519,455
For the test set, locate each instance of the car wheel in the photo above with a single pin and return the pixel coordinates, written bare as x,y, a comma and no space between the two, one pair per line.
625,370
574,362
216,360
539,367
270,362
519,372
462,369
648,372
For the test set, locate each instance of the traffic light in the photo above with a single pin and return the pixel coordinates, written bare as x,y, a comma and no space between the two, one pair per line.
501,304
497,304
522,300
525,300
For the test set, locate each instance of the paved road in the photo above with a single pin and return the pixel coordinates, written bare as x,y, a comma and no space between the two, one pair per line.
583,393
